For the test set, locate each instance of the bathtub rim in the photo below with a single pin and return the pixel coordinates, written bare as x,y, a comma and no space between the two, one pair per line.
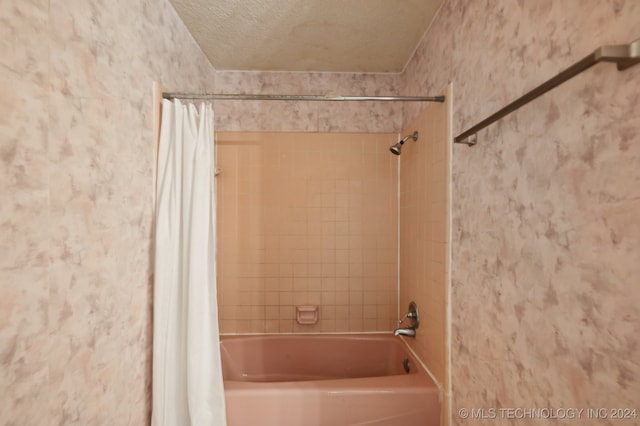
389,334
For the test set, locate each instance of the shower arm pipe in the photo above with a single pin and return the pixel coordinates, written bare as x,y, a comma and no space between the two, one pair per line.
623,55
254,97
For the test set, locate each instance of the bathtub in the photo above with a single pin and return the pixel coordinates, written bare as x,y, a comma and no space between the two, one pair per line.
325,380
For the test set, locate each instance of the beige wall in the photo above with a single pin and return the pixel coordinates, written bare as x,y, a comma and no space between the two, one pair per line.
76,159
307,218
545,231
424,233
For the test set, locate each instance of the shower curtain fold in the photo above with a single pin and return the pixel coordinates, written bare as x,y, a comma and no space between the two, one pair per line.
187,373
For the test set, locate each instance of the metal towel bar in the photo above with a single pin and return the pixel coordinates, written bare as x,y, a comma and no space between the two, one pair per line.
624,55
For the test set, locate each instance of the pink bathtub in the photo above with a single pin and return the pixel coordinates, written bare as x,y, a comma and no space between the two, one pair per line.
325,380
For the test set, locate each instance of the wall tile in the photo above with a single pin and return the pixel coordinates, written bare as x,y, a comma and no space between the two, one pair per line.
304,215
424,231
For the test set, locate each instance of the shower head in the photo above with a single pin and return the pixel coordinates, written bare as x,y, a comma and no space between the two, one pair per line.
395,149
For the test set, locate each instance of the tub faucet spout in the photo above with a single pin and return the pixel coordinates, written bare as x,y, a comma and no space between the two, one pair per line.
414,319
411,332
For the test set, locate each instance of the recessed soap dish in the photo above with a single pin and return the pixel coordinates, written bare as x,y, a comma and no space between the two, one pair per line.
307,314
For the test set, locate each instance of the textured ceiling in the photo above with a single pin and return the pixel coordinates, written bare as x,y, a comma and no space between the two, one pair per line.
308,35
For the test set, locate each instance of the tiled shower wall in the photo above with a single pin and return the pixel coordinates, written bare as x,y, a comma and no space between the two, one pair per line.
307,219
424,232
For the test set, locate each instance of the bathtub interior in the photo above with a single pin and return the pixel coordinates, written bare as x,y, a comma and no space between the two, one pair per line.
325,380
279,358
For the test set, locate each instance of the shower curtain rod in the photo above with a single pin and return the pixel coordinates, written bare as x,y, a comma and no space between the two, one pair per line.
624,56
250,97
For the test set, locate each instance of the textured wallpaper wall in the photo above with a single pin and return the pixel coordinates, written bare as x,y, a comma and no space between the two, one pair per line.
545,263
295,116
76,185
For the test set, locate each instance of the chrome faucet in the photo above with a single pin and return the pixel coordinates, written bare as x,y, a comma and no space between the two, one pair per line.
411,332
414,318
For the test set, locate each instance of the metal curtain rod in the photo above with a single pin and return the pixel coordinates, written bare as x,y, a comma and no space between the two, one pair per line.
624,55
245,97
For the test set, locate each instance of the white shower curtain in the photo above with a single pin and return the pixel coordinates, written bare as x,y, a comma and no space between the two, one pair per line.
187,375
